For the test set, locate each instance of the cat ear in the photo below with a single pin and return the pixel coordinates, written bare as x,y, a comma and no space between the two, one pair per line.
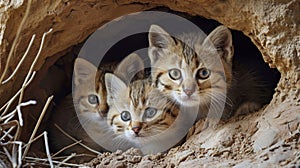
129,67
83,70
114,86
158,39
221,38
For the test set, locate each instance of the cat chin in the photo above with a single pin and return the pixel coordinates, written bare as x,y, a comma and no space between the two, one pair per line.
135,139
187,101
132,135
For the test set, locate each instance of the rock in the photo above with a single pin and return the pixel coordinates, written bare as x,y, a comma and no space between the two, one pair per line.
119,165
180,156
120,157
146,164
265,138
135,159
245,163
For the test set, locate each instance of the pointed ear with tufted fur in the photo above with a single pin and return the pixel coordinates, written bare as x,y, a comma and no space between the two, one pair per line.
221,38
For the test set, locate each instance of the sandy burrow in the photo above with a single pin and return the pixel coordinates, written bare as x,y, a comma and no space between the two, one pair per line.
268,138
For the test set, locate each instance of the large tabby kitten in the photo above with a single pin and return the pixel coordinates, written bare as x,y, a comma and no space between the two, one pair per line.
197,71
84,113
140,115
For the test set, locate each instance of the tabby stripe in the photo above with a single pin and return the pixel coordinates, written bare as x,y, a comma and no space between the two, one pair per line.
197,62
166,86
157,78
160,120
143,100
173,115
170,112
112,119
164,123
120,130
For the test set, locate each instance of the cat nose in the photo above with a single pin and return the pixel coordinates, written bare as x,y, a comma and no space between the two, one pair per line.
189,88
189,91
136,129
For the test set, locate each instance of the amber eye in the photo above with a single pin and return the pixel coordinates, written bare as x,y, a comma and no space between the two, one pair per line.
150,112
203,73
125,116
93,99
175,74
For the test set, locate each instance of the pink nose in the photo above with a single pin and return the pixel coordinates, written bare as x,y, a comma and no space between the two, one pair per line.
189,92
136,130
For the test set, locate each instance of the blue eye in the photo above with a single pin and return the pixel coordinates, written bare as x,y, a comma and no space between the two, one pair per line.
125,116
150,112
203,73
93,99
175,74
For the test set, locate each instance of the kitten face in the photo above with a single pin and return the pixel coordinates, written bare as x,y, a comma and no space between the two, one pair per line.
138,111
191,69
90,98
89,94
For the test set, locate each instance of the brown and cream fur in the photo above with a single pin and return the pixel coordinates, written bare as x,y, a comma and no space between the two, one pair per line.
206,78
84,112
137,99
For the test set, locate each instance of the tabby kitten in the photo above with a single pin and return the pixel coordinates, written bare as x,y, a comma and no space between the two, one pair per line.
197,72
84,113
88,99
140,115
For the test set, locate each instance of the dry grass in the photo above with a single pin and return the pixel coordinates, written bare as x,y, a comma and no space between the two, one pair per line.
15,152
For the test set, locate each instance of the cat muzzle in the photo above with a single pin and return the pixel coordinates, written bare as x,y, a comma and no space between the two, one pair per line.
189,92
136,130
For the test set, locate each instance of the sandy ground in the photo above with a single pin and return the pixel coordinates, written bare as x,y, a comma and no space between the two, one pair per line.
268,138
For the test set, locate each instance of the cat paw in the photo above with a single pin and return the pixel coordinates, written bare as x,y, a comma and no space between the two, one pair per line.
247,107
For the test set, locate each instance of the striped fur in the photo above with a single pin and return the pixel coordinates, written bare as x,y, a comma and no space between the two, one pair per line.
83,115
89,81
136,98
190,54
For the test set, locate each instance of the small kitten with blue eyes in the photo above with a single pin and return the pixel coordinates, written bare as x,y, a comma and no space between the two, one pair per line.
196,71
138,110
86,110
142,117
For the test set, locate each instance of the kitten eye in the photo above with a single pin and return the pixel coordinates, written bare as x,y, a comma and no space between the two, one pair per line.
93,99
175,74
150,112
203,73
125,116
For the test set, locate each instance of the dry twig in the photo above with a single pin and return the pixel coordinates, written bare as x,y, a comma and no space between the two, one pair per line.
15,40
66,147
39,160
33,63
21,61
47,149
37,125
75,140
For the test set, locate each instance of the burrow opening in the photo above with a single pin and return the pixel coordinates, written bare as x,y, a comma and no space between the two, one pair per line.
58,78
